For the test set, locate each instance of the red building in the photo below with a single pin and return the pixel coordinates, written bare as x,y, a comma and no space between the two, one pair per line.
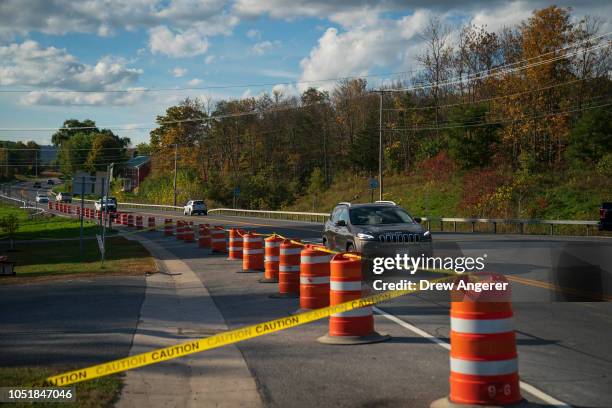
135,170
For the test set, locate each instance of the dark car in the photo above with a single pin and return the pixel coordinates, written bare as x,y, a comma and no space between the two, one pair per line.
605,217
37,184
50,182
376,229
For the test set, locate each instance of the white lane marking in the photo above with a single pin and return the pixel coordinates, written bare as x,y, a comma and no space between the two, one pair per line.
524,386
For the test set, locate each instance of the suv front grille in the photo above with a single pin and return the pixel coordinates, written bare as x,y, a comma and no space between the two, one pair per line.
399,238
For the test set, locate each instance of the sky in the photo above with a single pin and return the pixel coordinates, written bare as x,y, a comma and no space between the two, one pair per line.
216,49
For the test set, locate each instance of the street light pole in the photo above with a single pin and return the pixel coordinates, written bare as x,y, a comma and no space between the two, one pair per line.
104,208
380,146
175,166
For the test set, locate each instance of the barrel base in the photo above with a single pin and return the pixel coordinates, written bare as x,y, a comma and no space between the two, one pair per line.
284,296
268,280
249,271
351,340
447,403
233,259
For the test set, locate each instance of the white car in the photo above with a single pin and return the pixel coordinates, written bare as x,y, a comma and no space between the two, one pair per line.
195,207
64,198
42,198
110,202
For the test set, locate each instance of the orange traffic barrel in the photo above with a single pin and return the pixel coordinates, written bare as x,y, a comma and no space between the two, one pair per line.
151,224
355,326
188,234
180,229
483,357
235,245
49,205
124,218
288,270
314,279
69,209
217,240
78,211
91,214
168,229
271,259
130,220
139,221
204,240
252,253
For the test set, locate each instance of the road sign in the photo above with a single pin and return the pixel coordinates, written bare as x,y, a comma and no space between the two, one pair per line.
236,191
373,183
100,243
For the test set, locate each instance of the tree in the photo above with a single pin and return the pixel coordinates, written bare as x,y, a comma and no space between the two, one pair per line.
10,224
590,138
316,185
471,146
143,149
65,133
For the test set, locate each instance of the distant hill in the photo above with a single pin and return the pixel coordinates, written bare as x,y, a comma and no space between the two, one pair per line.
48,154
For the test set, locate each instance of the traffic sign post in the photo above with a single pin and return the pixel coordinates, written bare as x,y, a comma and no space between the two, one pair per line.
373,186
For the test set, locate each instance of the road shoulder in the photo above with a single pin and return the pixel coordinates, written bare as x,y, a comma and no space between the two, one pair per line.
178,307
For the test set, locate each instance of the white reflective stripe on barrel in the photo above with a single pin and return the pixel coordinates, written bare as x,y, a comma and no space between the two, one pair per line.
252,251
482,326
314,280
361,312
351,285
236,249
290,251
500,367
309,259
236,239
289,268
269,258
273,244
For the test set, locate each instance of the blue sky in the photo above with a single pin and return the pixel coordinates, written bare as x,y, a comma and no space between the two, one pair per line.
62,45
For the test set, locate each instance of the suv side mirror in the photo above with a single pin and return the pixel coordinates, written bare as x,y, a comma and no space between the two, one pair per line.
340,223
418,219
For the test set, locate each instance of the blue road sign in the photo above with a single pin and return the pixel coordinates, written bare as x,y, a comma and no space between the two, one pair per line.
373,183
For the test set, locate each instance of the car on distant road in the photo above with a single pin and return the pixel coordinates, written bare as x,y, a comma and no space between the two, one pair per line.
106,203
37,184
605,217
64,197
42,198
50,182
382,228
195,207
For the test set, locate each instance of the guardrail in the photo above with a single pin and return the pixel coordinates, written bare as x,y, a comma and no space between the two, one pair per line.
282,215
440,221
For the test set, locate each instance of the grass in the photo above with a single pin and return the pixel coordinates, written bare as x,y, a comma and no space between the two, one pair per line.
57,259
99,393
46,227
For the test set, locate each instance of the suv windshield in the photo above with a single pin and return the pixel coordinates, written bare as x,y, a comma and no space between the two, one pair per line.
379,215
198,202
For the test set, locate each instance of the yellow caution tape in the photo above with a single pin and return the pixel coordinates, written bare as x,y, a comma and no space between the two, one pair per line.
218,340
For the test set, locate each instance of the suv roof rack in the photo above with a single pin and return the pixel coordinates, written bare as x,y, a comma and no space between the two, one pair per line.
345,203
385,202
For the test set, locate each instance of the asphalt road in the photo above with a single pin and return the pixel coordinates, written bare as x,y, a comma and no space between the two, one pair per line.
564,347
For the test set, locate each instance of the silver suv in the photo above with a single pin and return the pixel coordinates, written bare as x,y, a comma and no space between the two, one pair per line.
376,229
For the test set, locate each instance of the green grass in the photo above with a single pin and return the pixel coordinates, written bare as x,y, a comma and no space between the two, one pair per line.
99,393
59,258
46,227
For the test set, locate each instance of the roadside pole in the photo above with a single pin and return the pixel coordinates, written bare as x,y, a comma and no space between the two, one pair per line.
380,144
81,216
175,168
104,205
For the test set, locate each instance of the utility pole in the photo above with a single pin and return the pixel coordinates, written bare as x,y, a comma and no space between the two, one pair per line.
81,216
380,145
175,164
104,205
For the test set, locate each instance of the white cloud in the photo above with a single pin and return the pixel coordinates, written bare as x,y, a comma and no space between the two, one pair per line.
194,82
188,43
28,64
179,72
263,47
253,34
285,90
209,59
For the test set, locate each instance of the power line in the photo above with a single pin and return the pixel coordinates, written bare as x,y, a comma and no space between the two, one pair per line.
142,90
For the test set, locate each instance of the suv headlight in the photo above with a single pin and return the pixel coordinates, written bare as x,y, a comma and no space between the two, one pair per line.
427,235
365,237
